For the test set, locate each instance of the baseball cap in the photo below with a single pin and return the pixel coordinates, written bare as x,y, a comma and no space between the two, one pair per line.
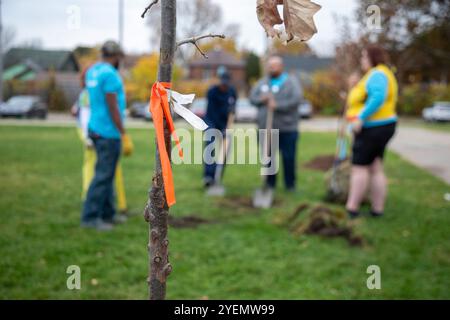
111,48
223,75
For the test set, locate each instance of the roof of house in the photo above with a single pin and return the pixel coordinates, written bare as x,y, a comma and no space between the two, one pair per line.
306,63
21,71
14,71
216,58
46,59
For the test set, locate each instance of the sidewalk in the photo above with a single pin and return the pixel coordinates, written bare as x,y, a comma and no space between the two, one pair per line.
427,149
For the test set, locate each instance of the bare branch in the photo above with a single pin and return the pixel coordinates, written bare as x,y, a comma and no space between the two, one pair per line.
149,7
194,41
200,50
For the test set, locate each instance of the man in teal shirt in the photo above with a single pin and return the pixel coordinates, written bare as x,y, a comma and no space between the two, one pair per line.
105,127
281,93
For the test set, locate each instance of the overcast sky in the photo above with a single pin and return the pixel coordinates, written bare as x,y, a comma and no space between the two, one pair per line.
54,22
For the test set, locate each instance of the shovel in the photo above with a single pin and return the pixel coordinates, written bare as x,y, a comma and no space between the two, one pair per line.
341,149
263,197
218,189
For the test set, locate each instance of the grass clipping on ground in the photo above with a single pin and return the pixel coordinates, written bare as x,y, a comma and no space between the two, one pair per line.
319,219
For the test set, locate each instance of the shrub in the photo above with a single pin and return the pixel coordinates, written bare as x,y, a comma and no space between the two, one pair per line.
323,93
415,97
55,97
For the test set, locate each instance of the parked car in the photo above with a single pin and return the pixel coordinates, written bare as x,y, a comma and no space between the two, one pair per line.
24,106
439,111
305,109
147,114
137,109
198,107
245,111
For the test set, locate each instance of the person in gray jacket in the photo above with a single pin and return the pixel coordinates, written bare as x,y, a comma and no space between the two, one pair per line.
282,94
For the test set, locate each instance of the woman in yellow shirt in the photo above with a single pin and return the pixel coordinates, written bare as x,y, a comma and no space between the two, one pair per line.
372,114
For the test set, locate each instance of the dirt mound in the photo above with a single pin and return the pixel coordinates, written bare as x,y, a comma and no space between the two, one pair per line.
337,182
321,163
187,221
319,220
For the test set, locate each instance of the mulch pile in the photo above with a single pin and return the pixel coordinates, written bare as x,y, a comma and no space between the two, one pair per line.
321,163
319,220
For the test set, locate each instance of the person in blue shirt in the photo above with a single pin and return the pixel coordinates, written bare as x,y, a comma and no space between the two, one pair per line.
221,104
105,128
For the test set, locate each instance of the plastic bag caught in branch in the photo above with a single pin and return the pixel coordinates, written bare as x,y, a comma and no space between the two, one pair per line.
297,14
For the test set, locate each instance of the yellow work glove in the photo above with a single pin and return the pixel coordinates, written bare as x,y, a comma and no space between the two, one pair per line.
127,145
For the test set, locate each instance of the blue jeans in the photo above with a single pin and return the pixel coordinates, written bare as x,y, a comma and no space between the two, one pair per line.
288,149
209,171
99,203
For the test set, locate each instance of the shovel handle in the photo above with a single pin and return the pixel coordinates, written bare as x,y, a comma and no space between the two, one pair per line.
224,149
269,124
225,143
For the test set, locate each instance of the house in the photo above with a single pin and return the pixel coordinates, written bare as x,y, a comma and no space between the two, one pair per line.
58,60
36,65
303,66
206,69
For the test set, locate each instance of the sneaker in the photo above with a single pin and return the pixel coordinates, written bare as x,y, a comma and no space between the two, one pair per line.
353,214
97,224
376,214
104,226
208,182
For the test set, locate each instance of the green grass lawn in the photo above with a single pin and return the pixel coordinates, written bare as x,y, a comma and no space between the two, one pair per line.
240,256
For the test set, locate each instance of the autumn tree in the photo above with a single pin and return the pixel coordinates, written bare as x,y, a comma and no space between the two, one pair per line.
415,33
199,17
143,75
86,56
292,48
229,45
252,67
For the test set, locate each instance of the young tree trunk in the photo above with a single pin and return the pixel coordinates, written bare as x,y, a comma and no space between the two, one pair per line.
157,211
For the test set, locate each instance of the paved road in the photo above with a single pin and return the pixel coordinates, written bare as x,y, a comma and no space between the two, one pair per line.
425,148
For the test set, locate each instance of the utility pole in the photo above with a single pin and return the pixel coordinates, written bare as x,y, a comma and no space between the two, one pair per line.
121,21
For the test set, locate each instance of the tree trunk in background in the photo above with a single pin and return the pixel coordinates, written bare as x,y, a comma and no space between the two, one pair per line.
1,53
157,210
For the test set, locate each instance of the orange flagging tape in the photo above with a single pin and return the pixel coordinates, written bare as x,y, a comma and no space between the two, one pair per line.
159,107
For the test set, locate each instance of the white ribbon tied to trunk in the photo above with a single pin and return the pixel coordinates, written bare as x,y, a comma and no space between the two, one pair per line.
178,101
